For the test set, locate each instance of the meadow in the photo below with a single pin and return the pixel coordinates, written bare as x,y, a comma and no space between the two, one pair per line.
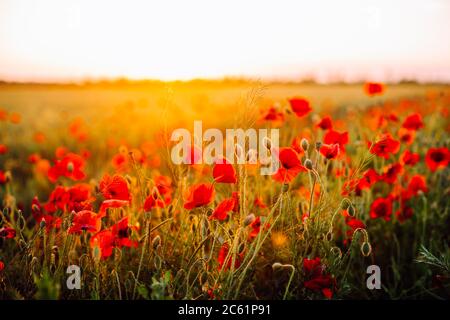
86,179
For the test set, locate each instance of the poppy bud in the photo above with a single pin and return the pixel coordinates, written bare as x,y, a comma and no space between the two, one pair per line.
308,164
305,144
285,187
8,176
156,242
42,224
351,211
277,265
70,167
366,249
249,219
318,145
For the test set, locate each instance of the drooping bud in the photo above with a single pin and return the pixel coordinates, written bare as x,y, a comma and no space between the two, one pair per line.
318,145
351,211
308,164
366,249
277,265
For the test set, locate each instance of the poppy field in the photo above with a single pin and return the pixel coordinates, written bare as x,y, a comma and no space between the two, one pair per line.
87,184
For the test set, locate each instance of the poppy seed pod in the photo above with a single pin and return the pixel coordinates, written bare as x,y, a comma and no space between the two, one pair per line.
249,219
305,144
308,164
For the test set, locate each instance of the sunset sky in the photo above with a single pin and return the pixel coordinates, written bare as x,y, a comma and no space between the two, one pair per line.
387,40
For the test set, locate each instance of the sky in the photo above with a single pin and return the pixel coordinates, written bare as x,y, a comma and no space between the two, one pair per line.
349,40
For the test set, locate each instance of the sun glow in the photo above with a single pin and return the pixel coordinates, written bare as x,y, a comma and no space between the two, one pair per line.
61,40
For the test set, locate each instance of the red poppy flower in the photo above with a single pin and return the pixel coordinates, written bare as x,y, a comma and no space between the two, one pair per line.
413,122
381,208
354,224
3,178
2,266
385,147
290,165
3,149
335,137
325,123
117,236
34,158
7,233
237,204
404,213
71,166
51,222
416,184
406,136
259,202
391,173
373,88
409,158
115,187
318,280
437,158
300,106
112,203
329,151
223,253
222,210
199,195
85,221
255,227
223,172
120,162
273,115
369,178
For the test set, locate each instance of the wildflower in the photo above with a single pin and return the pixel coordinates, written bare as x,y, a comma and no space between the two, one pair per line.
112,203
199,195
85,221
417,184
329,151
222,210
223,253
7,233
115,187
318,279
300,106
2,266
335,137
373,88
406,136
325,123
70,166
391,173
290,165
381,208
259,202
437,158
409,158
3,149
385,147
273,115
413,122
223,172
404,213
255,227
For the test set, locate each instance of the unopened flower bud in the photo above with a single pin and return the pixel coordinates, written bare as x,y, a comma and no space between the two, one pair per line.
42,224
305,144
308,164
249,219
285,187
277,265
345,205
366,249
351,211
